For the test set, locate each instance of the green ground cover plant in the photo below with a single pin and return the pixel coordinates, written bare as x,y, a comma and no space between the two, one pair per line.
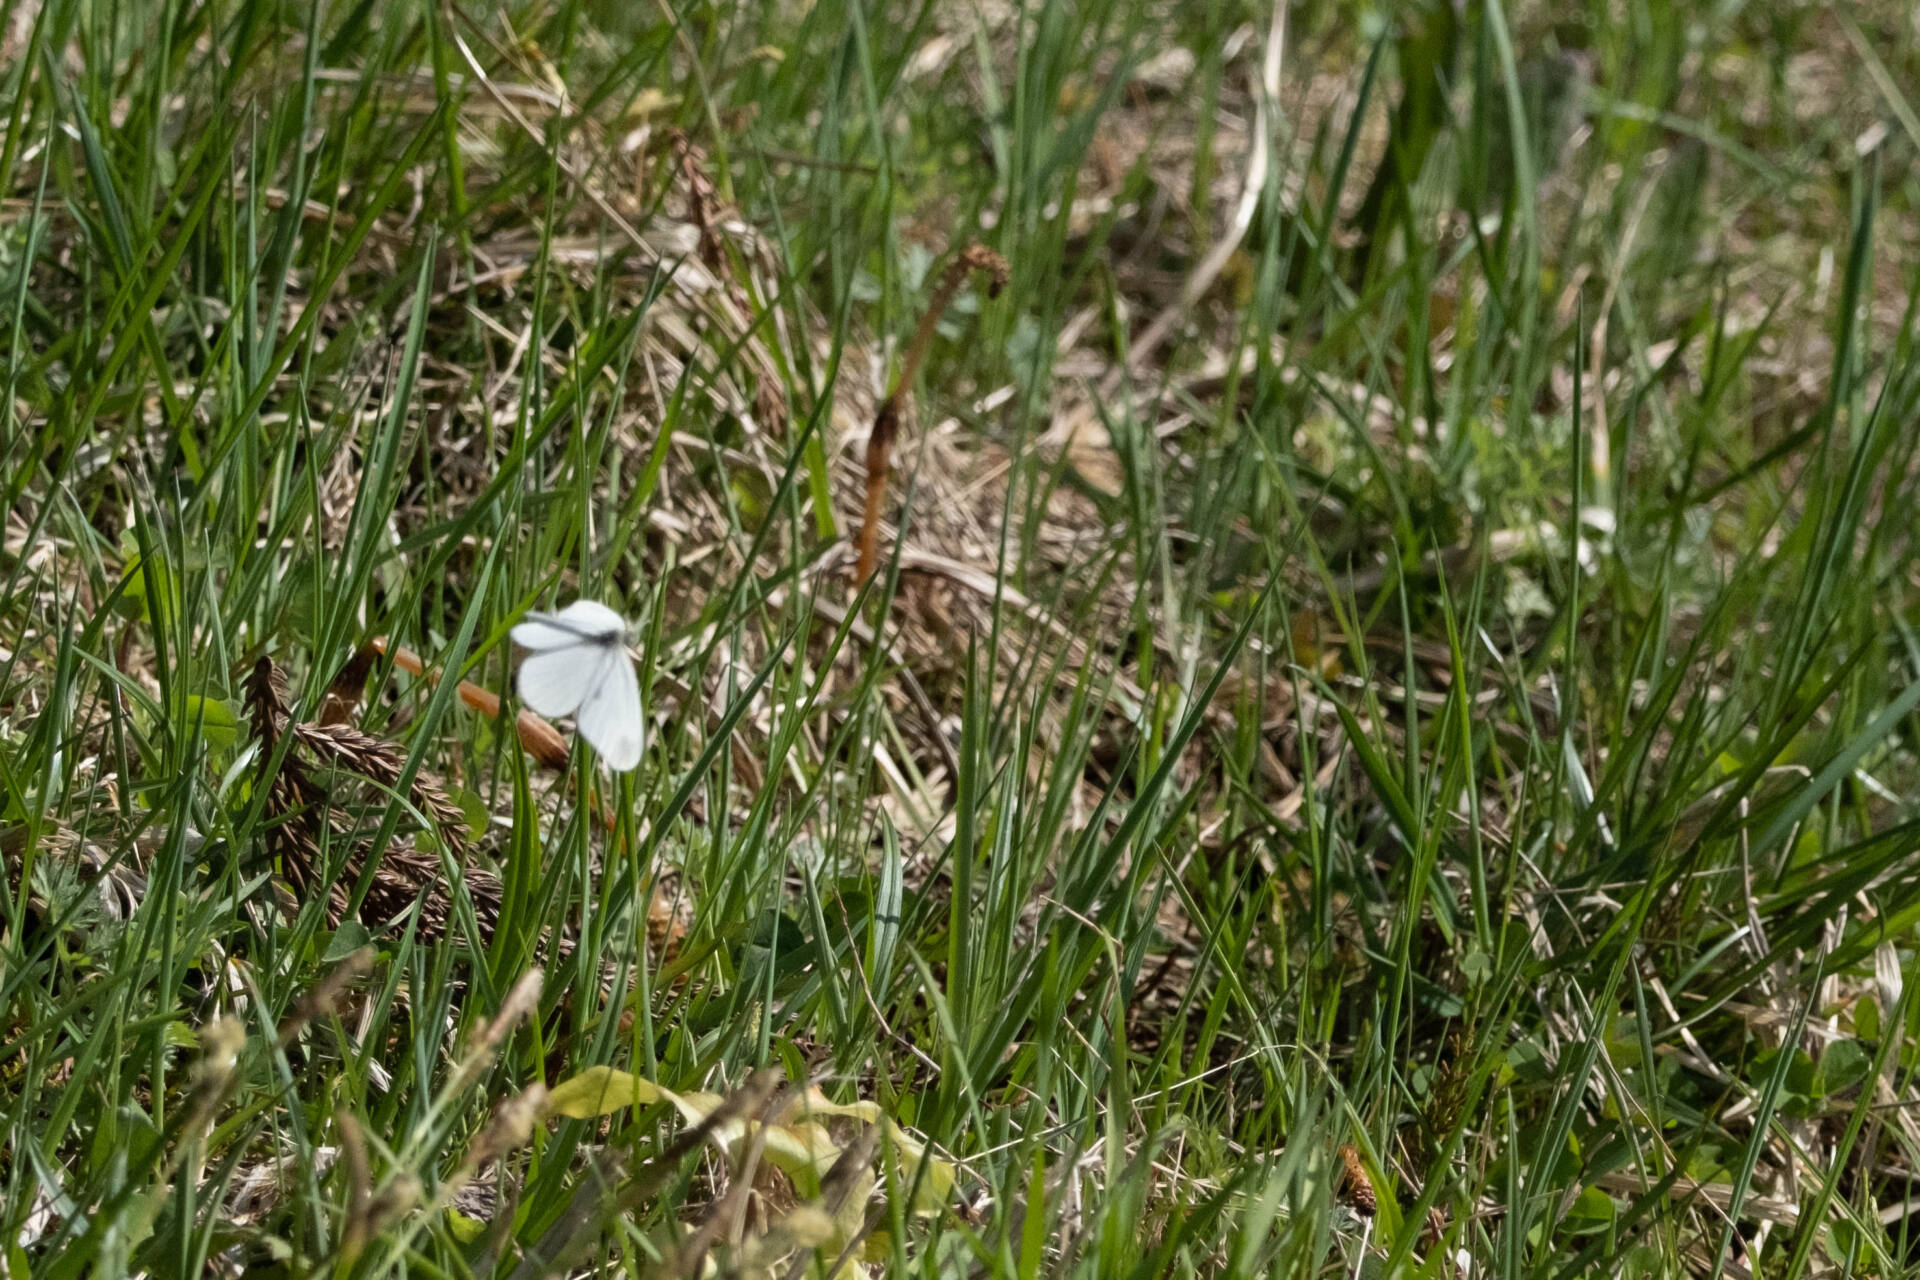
1378,739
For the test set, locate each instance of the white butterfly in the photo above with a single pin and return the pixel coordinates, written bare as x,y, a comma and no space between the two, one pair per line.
579,667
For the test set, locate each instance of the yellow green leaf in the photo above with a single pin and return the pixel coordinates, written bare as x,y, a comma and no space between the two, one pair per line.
600,1091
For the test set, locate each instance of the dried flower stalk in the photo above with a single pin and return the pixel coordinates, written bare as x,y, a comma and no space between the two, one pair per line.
886,422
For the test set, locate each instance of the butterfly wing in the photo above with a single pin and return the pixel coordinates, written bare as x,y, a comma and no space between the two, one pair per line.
579,667
541,631
581,621
554,681
609,715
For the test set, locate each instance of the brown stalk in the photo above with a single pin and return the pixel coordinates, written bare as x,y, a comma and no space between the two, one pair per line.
886,425
541,740
886,422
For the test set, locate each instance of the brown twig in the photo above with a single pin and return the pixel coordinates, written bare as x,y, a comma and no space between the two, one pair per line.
886,422
540,739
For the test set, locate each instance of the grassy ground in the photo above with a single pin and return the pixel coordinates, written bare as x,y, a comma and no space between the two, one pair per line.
1382,741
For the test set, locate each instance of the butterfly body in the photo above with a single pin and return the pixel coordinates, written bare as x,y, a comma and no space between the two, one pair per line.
579,667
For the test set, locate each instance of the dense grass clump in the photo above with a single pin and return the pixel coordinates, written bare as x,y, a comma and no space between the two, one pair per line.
1273,641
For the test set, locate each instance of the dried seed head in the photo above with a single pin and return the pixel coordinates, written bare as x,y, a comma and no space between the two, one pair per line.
511,1126
304,815
380,762
323,999
886,422
521,1002
215,1075
977,257
266,702
1356,1188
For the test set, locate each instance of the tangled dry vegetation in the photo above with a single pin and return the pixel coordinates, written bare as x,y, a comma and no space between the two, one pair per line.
784,490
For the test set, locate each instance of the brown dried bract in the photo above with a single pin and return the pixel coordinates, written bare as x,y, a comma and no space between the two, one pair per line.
1356,1188
307,813
380,761
344,694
